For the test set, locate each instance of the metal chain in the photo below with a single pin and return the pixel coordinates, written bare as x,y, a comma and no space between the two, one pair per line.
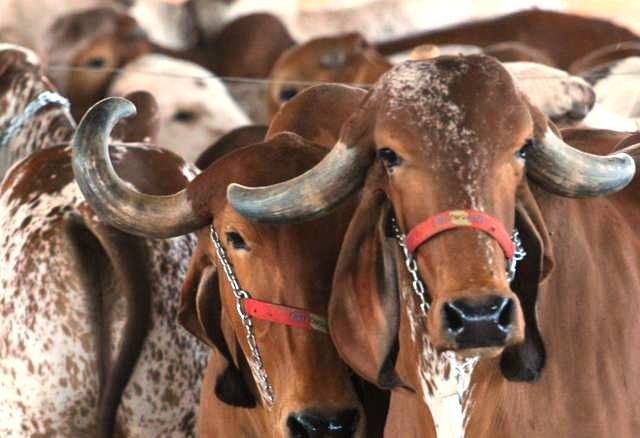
518,255
412,267
460,369
43,99
257,366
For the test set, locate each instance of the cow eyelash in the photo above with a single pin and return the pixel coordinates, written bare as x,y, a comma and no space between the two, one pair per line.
236,240
388,156
522,152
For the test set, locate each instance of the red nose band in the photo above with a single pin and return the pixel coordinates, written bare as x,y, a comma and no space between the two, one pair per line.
291,316
450,219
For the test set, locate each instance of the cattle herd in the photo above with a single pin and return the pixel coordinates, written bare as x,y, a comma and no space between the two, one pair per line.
211,226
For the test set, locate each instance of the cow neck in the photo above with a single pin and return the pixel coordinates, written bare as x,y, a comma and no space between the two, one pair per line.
248,307
444,377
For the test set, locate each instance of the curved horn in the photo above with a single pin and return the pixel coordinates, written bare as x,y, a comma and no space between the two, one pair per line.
308,196
112,198
566,171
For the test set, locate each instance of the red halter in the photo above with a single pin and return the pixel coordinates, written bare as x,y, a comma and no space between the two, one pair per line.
450,219
291,316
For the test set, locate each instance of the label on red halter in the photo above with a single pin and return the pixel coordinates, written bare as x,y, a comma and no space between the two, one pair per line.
291,316
450,219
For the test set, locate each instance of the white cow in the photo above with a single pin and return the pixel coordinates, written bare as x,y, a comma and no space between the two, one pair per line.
195,108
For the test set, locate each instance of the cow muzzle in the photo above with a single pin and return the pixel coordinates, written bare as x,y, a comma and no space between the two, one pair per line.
484,323
309,424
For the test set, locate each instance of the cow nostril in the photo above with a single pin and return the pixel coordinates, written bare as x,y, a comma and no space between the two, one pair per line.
300,427
344,425
341,424
453,317
505,317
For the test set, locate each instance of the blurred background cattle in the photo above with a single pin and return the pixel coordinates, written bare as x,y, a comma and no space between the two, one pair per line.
94,305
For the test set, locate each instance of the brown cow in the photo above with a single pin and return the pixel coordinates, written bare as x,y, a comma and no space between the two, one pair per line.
563,37
452,136
82,50
297,384
605,55
565,99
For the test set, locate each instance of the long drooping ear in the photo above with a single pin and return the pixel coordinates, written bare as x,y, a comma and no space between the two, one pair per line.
364,308
524,362
201,314
317,113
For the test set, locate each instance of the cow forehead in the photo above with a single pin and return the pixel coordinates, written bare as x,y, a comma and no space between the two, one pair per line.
449,101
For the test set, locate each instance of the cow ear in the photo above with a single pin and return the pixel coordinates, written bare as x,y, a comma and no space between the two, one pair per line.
143,127
364,308
525,361
201,314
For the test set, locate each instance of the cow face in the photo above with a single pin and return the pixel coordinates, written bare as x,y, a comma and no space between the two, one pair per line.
346,58
443,151
290,265
83,48
194,110
439,135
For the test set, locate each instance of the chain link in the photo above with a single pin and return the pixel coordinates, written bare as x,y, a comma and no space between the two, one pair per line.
462,369
416,283
257,365
518,255
43,99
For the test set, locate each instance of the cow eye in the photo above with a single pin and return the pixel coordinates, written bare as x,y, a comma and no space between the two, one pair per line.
522,152
388,156
184,116
236,240
97,62
287,93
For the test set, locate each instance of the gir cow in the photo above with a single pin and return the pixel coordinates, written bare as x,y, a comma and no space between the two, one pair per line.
562,37
451,160
83,49
350,59
251,291
90,343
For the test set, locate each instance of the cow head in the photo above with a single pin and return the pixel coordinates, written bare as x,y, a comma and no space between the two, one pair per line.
346,58
290,265
83,48
452,133
195,110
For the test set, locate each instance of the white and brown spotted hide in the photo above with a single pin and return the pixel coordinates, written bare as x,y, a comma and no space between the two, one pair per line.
21,81
84,305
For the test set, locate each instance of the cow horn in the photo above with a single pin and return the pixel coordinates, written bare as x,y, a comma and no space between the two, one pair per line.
111,198
308,196
567,171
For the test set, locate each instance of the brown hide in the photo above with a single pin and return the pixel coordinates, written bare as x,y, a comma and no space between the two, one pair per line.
346,58
513,51
604,55
587,318
317,113
238,137
563,37
101,40
268,265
